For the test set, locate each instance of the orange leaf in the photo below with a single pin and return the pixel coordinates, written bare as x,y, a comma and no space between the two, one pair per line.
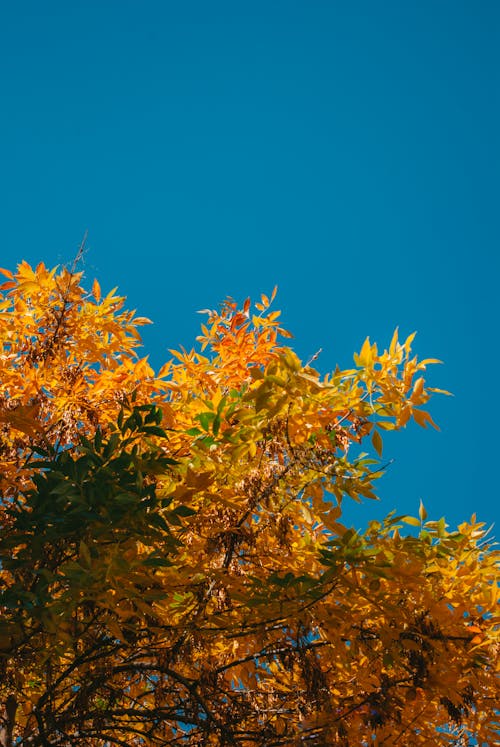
96,291
422,418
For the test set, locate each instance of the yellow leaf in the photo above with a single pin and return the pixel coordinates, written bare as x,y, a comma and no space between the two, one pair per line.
377,442
408,342
418,389
412,520
429,360
365,355
291,360
394,343
422,512
23,419
422,418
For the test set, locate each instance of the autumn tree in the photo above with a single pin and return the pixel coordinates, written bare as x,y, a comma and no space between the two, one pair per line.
174,566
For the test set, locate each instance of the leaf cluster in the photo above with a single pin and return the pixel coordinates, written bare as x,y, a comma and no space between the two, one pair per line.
174,569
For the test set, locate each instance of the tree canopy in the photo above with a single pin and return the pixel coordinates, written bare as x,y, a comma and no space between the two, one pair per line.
174,569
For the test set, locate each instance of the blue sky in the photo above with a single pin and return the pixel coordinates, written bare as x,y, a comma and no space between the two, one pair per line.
346,151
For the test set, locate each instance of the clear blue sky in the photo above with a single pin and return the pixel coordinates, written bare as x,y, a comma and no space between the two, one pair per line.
347,151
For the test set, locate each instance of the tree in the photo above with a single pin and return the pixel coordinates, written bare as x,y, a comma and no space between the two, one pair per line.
174,570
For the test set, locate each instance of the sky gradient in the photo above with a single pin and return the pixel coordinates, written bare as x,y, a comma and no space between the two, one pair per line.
347,152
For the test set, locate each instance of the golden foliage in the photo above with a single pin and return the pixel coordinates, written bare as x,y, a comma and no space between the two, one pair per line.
174,569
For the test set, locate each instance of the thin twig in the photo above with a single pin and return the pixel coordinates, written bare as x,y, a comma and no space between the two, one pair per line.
314,357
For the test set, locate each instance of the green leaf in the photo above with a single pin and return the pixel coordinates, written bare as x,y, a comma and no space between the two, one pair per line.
98,439
172,518
221,405
388,660
156,562
184,511
153,430
111,445
159,521
63,488
125,499
167,460
205,418
216,425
